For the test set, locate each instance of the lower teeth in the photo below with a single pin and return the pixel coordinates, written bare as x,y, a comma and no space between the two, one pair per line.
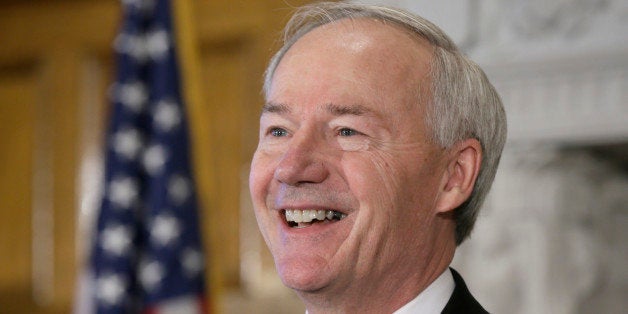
331,216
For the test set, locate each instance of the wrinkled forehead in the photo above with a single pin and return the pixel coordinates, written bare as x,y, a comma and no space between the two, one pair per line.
363,55
368,35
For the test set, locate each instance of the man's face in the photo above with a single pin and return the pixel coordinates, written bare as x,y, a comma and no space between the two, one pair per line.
343,143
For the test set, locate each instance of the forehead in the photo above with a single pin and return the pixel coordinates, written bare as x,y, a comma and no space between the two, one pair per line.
353,60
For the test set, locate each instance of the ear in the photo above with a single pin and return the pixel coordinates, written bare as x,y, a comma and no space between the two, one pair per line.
463,167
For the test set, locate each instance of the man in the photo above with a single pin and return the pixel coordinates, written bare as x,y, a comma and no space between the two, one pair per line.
378,143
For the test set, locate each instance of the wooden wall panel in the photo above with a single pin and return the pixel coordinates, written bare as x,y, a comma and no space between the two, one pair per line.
46,46
17,121
224,81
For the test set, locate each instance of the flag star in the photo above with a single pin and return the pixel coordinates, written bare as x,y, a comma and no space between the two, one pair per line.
151,274
167,115
157,43
123,192
155,159
127,143
133,95
188,304
143,5
110,289
132,45
116,240
192,261
179,189
121,43
136,47
165,229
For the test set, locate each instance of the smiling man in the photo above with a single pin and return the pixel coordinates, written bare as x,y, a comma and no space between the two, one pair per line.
378,142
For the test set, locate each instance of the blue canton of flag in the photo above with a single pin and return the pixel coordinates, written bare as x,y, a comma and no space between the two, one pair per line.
147,254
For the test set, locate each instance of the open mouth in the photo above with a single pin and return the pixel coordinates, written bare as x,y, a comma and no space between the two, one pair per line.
297,218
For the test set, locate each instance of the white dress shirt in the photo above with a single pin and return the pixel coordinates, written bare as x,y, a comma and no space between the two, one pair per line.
433,299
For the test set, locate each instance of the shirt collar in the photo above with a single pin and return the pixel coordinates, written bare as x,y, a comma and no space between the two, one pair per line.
434,298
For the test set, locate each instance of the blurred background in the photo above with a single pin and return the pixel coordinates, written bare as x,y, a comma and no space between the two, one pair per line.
551,238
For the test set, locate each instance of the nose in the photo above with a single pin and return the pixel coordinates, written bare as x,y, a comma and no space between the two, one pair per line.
302,162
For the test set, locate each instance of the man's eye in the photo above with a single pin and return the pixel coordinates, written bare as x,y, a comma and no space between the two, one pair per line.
348,132
278,132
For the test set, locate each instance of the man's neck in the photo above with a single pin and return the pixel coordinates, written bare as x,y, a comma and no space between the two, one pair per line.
385,292
432,299
386,296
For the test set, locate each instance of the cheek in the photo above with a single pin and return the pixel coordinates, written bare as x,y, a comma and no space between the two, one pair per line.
375,181
260,177
393,182
386,216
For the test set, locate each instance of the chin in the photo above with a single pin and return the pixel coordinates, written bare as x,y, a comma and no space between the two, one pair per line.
303,275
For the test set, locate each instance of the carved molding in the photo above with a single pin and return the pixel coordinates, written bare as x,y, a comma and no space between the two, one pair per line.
561,67
537,30
542,18
579,100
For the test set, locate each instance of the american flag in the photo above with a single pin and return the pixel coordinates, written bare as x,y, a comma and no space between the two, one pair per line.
147,255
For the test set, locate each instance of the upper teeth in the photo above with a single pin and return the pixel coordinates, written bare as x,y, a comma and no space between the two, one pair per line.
298,215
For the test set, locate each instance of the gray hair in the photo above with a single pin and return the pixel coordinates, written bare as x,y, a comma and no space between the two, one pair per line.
464,105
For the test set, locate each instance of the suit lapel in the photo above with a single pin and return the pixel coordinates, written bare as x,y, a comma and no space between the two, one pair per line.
461,300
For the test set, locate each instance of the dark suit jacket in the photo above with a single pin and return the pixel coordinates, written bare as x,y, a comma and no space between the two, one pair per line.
461,301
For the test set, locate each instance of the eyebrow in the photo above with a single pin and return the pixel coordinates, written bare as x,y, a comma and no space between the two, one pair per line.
279,108
355,110
334,109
